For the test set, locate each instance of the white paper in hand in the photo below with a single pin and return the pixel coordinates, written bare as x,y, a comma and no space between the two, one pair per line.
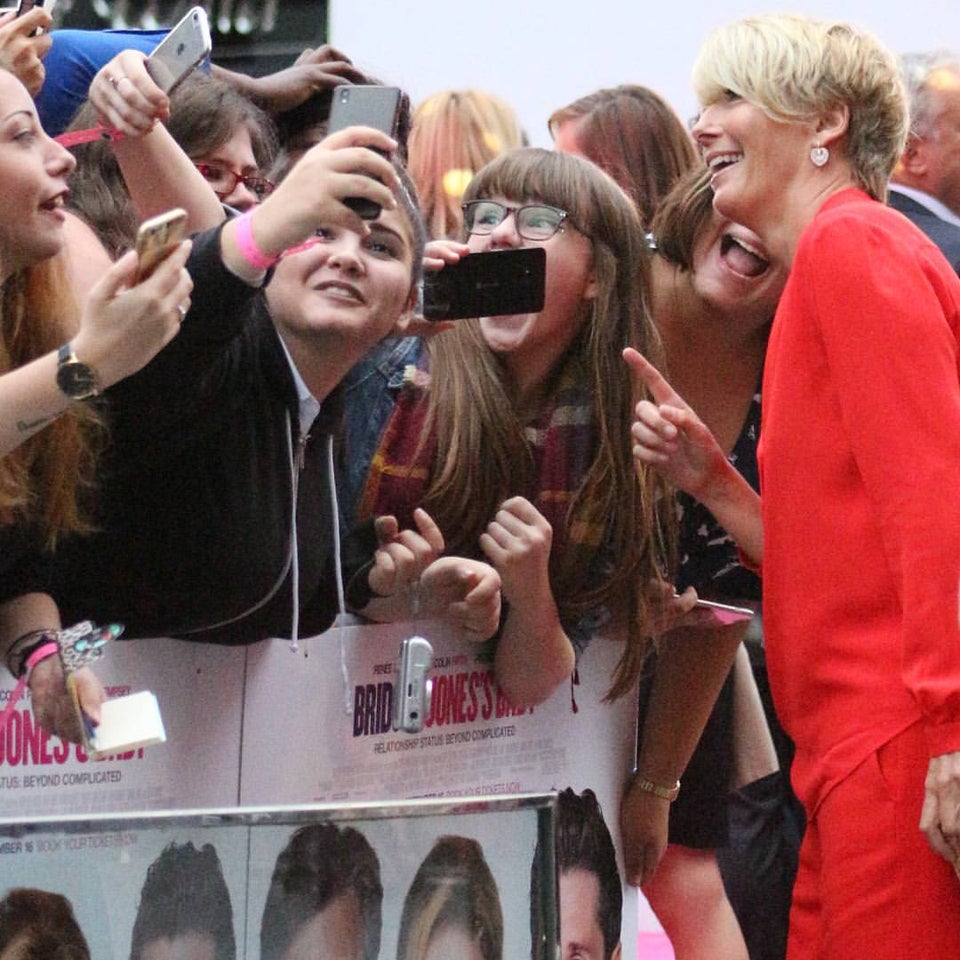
127,723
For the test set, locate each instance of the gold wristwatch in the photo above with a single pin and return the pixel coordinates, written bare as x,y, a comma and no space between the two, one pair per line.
76,379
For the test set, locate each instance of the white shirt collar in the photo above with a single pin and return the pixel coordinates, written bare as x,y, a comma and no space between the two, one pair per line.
309,405
927,201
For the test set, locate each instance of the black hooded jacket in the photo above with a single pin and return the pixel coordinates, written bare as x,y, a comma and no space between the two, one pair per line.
195,496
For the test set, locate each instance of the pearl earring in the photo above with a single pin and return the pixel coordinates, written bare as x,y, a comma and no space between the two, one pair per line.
819,156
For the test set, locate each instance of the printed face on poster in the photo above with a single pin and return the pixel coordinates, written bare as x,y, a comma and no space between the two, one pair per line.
359,883
316,727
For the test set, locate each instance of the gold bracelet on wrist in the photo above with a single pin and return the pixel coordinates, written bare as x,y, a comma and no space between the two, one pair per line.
648,786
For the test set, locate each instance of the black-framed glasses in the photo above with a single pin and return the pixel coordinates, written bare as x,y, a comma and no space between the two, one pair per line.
224,181
535,221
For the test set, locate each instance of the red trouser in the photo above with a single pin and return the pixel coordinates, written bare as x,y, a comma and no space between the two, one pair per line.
869,886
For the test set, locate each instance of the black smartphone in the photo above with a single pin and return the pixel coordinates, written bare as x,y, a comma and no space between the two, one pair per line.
181,50
496,283
364,106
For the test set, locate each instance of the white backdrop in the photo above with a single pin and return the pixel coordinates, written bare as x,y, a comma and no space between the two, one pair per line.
541,54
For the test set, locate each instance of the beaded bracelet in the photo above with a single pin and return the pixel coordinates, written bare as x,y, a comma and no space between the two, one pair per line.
248,246
648,786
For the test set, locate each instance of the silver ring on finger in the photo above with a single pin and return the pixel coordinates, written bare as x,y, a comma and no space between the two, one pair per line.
115,81
183,312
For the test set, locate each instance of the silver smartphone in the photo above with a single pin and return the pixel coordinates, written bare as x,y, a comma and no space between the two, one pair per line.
181,50
25,6
413,687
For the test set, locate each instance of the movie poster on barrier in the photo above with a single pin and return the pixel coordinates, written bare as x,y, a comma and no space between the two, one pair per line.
319,724
487,858
318,728
104,875
200,692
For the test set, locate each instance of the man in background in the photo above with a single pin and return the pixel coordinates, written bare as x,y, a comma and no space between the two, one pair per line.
925,186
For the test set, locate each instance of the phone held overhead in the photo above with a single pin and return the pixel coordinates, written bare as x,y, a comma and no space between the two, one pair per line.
181,51
365,106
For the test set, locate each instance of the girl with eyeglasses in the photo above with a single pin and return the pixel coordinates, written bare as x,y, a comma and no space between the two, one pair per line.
512,432
229,140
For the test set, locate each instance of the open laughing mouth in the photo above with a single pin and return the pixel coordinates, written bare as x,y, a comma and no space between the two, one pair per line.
741,258
55,202
340,291
721,161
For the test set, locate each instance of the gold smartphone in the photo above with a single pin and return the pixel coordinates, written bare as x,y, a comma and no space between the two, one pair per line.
156,239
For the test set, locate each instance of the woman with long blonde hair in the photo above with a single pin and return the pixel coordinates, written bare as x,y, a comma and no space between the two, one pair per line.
454,134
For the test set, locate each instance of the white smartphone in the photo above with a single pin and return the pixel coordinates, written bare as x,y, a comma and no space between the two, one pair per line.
25,6
181,50
412,687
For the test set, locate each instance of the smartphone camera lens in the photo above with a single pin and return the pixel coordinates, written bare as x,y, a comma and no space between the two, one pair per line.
344,94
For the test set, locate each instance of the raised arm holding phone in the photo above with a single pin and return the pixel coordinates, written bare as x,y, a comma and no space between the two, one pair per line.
57,355
249,388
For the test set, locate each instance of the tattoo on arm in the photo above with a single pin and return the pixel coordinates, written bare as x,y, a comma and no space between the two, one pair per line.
28,426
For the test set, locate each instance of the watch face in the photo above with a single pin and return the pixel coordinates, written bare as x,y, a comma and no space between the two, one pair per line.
76,380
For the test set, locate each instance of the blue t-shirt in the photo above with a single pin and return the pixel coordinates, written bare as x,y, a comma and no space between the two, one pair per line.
73,61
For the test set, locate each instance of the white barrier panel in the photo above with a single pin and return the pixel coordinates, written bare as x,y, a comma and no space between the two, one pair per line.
317,727
200,692
265,726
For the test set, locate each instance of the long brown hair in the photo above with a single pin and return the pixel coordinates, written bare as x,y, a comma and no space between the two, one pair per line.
41,481
483,456
682,215
635,135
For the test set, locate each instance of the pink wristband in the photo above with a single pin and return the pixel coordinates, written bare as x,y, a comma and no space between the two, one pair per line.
75,137
41,653
247,245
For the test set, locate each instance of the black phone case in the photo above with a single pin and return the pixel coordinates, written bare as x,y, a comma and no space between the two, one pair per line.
497,283
367,106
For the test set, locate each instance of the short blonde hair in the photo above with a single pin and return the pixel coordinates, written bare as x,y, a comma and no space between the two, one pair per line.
797,68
